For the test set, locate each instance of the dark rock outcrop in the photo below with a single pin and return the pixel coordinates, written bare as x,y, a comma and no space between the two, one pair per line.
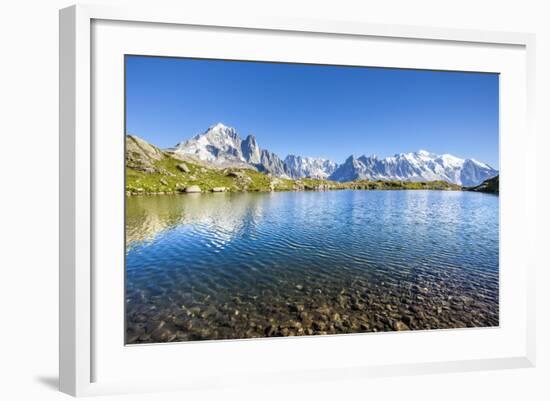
490,186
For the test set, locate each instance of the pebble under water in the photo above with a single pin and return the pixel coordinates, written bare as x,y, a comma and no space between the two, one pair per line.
249,265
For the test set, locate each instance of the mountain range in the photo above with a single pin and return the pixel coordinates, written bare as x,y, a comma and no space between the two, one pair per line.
221,146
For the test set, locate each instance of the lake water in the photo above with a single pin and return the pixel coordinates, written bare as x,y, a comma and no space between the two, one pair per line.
245,265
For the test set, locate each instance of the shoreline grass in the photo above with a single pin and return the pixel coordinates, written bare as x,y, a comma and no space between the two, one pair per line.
171,175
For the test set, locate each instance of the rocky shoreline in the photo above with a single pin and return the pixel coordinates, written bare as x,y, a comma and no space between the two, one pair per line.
311,185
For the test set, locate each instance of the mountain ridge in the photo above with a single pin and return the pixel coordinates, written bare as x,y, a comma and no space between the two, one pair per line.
150,170
223,147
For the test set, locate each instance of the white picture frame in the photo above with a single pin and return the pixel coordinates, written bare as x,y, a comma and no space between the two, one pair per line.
79,344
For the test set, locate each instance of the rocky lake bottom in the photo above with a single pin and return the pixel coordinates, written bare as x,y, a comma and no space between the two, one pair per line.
236,266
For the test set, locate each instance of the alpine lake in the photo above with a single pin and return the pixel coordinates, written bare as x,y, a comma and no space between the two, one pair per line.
214,266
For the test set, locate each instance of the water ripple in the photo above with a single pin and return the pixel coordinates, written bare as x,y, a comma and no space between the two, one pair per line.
233,266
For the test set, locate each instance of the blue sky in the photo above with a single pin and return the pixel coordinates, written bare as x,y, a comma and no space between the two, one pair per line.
312,110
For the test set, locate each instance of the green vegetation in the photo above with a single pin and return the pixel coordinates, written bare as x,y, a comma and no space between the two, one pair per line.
150,170
171,175
387,185
166,177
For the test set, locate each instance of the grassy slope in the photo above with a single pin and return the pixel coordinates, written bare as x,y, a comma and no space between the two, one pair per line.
169,179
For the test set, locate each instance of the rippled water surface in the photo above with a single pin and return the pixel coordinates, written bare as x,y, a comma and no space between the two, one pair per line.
224,266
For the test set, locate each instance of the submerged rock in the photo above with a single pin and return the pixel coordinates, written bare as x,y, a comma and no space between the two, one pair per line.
295,308
163,335
399,326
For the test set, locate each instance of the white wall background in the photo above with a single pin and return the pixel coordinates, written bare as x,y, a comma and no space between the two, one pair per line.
29,186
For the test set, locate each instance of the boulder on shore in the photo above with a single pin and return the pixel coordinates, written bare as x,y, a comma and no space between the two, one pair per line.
219,189
193,189
183,167
236,174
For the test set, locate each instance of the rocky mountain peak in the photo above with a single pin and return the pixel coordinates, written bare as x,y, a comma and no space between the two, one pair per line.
250,149
222,146
300,167
417,166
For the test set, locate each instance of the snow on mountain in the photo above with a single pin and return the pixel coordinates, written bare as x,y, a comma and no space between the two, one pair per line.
222,146
301,167
417,166
218,145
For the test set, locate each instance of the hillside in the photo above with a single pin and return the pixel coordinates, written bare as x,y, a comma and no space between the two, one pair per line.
150,170
490,186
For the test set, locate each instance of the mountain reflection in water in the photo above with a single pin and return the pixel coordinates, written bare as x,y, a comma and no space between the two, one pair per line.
245,265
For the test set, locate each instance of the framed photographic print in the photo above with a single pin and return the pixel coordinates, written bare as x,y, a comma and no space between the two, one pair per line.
277,200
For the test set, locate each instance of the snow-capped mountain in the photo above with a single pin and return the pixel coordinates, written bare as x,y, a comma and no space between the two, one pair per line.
300,167
222,146
417,166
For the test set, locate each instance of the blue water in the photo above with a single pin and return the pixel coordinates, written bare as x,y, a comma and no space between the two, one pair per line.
218,266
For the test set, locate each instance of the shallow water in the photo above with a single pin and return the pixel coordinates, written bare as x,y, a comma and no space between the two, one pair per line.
244,265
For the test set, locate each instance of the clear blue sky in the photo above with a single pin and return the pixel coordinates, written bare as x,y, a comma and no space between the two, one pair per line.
320,111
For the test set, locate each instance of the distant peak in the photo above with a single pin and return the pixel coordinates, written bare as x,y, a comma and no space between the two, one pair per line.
350,158
219,129
219,126
423,152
